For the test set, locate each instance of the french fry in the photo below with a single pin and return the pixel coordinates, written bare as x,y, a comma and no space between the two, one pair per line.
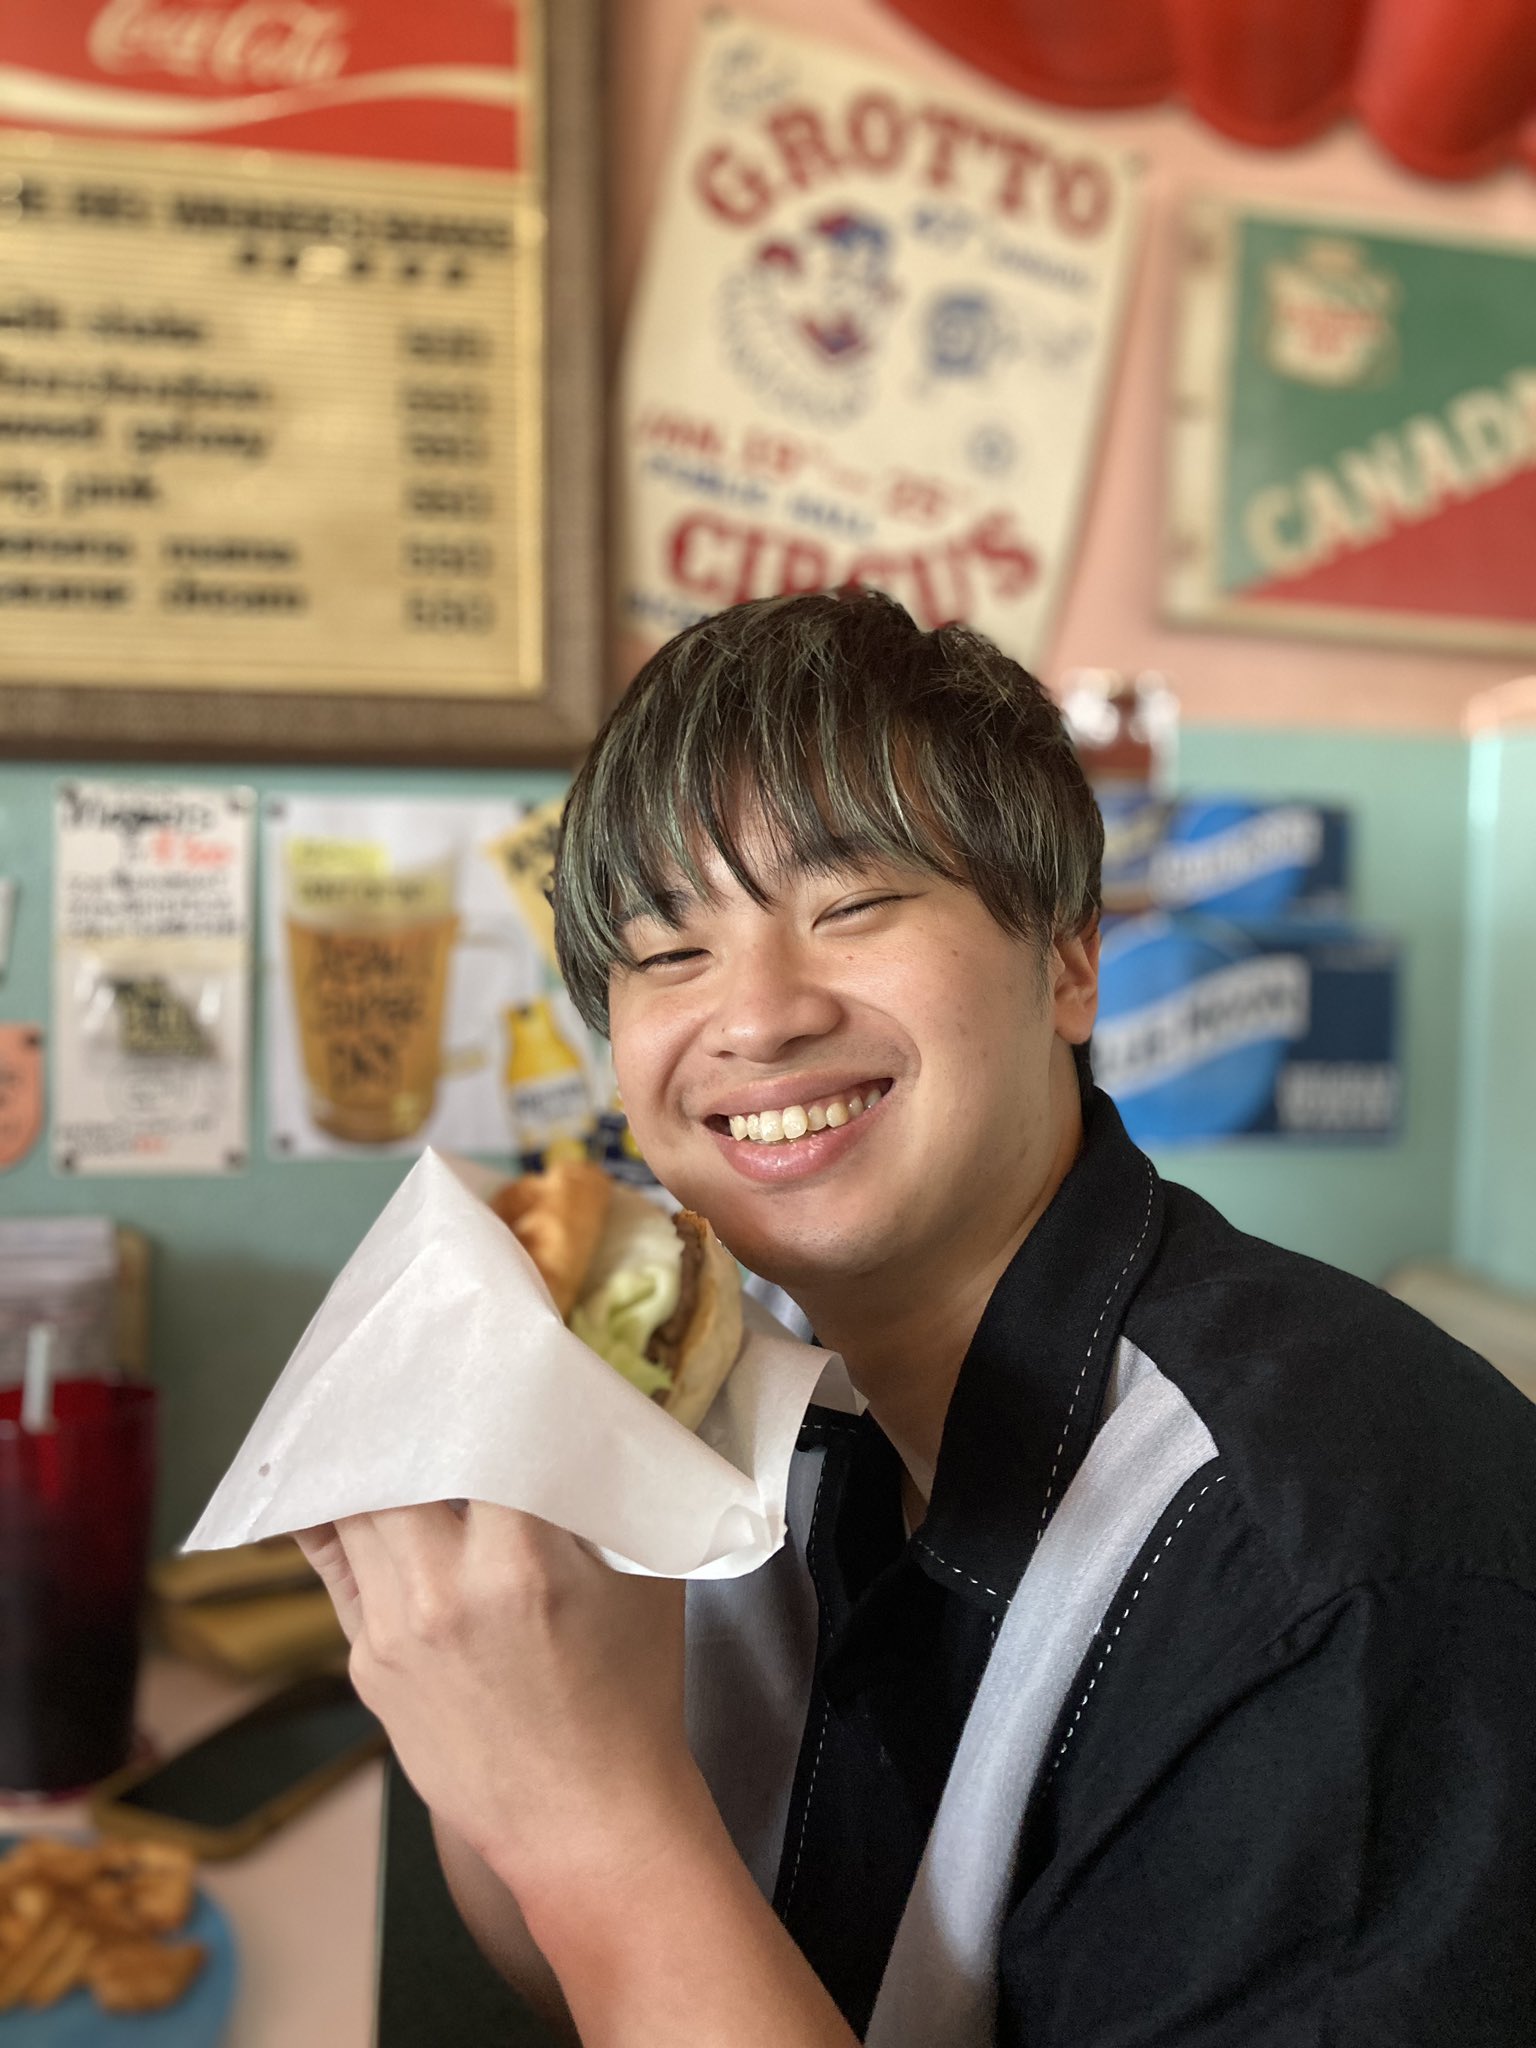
22,1911
164,1883
25,1965
143,1976
73,1914
163,1900
108,1903
29,1902
67,1969
59,1863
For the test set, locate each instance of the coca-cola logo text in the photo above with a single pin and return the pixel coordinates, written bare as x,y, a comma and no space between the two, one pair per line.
255,44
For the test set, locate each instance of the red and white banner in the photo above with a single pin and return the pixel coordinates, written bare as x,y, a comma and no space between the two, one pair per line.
871,343
444,84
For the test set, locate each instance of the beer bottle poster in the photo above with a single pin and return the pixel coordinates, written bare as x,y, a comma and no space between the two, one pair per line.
871,342
408,1002
152,978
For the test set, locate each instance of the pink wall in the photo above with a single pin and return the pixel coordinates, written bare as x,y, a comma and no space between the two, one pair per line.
1109,618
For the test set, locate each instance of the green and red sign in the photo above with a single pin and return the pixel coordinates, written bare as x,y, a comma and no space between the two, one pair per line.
1354,443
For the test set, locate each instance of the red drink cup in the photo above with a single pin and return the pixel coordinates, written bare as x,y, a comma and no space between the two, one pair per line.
75,1505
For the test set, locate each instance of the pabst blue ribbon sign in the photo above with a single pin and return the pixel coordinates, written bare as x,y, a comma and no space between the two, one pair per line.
870,344
1354,447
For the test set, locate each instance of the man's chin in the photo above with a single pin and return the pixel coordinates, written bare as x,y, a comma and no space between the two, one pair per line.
804,1261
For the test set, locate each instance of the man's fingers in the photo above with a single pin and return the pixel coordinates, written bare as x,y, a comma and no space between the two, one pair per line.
417,1573
512,1528
539,1551
498,1538
416,1542
407,1564
324,1549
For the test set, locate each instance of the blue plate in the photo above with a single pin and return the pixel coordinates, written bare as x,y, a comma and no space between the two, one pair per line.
196,2020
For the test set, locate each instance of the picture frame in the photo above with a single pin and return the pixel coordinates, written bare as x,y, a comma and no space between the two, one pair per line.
1349,443
554,696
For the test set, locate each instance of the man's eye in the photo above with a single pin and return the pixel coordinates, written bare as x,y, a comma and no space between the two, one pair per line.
678,957
869,903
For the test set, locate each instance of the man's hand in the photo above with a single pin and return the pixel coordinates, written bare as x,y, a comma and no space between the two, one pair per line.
535,1700
533,1696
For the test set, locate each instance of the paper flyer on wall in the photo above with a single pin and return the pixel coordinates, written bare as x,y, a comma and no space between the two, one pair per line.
152,966
410,1001
871,342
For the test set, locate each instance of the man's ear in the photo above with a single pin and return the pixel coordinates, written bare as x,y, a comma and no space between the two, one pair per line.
1074,964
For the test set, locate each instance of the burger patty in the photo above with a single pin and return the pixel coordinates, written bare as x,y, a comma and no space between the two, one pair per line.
665,1347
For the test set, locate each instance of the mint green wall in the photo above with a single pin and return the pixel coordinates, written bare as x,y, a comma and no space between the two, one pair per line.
1366,1208
241,1264
1496,1210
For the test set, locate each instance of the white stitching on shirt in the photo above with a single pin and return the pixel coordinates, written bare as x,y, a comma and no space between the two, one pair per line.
1125,1615
805,1811
1050,1484
929,1551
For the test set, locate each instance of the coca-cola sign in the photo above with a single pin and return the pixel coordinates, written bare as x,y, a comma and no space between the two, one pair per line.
252,45
391,80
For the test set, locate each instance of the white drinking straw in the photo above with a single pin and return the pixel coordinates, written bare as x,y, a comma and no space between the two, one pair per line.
37,1379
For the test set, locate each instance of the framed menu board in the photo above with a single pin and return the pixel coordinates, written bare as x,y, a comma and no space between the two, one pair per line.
297,302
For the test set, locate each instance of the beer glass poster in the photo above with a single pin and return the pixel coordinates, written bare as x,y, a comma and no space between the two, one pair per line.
1354,443
152,978
408,1001
870,344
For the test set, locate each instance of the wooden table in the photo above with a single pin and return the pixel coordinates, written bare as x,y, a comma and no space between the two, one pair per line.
303,1904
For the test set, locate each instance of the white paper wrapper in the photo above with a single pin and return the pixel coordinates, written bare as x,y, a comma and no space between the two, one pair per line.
437,1368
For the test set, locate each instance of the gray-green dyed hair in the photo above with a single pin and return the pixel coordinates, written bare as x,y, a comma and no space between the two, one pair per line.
834,725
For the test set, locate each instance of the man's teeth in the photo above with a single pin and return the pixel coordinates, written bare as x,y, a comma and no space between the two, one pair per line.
784,1126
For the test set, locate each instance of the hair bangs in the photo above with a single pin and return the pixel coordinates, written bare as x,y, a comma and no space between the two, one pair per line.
766,803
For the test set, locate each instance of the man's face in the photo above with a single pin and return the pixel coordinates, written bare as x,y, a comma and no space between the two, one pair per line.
885,987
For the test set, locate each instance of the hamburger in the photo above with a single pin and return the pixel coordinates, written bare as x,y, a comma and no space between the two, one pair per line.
657,1296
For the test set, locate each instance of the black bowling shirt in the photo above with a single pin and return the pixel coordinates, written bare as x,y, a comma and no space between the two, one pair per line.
1297,1807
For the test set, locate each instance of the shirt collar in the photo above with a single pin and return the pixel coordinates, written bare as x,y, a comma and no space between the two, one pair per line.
1031,1389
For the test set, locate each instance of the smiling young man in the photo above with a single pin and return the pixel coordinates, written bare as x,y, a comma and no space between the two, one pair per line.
1150,1659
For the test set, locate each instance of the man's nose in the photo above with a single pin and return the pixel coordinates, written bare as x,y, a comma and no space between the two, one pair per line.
767,1001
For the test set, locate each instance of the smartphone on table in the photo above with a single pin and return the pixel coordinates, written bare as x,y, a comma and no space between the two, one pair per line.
224,1793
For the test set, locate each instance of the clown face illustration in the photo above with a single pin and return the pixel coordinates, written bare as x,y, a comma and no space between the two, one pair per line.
805,315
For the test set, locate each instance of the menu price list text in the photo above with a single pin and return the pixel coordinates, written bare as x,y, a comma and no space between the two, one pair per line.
286,436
